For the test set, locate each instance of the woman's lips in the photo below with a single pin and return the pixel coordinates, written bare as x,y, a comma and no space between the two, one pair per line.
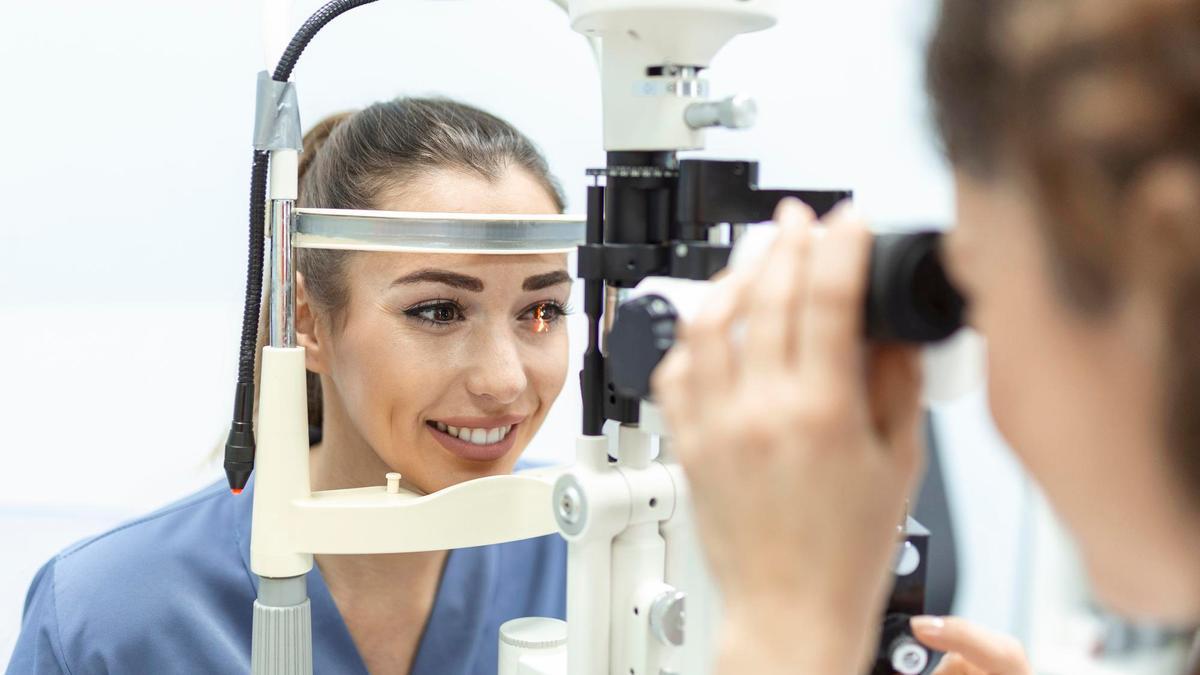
475,452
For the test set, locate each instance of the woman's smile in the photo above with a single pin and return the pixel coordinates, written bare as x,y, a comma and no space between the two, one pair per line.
479,439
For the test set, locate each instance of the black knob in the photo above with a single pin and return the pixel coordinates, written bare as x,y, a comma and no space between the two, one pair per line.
642,332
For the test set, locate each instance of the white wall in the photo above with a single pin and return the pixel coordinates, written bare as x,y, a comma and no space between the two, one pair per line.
126,128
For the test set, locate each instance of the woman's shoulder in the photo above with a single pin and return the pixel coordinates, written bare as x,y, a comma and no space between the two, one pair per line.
200,528
149,580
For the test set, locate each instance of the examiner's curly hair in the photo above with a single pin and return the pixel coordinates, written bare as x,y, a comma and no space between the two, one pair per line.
1096,104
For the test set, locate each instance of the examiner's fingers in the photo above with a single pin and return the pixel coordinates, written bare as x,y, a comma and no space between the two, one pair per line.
990,652
895,395
668,383
708,336
832,321
955,664
774,300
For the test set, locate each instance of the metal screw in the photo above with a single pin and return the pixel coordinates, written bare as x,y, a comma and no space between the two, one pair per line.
568,505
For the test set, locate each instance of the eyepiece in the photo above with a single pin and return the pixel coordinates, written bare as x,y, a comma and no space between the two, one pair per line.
910,298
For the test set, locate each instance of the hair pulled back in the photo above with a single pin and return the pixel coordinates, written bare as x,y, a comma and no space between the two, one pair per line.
353,160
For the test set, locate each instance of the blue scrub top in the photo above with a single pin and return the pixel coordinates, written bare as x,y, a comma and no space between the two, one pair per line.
173,593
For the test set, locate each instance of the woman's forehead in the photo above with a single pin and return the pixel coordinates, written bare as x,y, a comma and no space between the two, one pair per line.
391,265
453,191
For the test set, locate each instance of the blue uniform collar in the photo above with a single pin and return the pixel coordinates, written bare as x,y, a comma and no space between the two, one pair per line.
466,590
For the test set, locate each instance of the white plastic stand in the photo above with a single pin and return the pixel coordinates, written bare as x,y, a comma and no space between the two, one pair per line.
625,598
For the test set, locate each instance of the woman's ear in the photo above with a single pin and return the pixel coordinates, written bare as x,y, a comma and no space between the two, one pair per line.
312,330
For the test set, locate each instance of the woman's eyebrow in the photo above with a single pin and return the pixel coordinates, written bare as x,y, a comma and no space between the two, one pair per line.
443,277
539,281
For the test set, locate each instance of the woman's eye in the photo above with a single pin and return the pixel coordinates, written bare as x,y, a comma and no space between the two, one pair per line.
543,315
441,313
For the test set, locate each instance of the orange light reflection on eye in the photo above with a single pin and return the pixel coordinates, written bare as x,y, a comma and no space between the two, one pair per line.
540,324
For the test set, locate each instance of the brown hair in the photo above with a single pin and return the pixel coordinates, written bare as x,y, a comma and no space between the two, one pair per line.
352,159
1098,104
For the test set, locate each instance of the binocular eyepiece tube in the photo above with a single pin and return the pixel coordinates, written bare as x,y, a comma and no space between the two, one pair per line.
909,299
909,296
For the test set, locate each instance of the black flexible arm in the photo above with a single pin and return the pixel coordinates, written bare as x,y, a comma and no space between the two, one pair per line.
239,447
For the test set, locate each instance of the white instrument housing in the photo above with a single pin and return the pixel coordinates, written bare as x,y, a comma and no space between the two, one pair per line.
651,54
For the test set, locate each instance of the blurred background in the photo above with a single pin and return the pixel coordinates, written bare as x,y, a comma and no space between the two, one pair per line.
127,131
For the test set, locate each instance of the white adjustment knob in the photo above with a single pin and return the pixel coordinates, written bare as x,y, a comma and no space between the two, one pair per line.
735,112
530,642
393,483
668,617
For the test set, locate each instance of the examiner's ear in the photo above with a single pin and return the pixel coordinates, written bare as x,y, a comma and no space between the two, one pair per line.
1164,201
311,330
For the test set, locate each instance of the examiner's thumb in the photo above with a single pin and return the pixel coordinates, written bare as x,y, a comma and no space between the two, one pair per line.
991,652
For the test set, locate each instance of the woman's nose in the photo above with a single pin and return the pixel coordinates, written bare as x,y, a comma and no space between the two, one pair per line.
498,372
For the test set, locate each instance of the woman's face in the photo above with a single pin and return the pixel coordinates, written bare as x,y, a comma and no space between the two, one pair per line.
445,365
1080,399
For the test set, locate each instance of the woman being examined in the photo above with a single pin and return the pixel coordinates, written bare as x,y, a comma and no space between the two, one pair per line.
441,367
1074,130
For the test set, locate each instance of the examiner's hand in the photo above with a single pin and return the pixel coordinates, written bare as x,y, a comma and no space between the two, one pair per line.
800,445
970,650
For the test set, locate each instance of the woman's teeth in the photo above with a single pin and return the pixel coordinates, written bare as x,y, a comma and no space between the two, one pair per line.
476,436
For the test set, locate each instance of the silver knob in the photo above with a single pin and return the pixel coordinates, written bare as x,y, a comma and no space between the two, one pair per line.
908,559
667,617
570,505
909,657
735,112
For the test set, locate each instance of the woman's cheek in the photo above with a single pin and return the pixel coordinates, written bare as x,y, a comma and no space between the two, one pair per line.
404,374
548,366
562,353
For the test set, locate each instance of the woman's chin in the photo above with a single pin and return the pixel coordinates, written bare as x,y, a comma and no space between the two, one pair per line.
467,470
453,470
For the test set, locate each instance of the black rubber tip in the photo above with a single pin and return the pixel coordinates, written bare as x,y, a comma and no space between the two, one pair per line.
238,477
239,455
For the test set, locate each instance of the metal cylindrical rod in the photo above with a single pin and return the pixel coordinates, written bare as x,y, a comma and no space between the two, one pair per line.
281,638
283,275
591,378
